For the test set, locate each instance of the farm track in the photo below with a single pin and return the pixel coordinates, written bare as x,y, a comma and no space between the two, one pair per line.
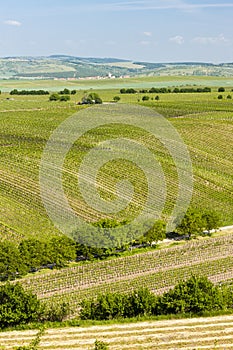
186,334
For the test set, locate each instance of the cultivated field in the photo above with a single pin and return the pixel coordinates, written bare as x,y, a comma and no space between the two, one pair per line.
204,122
197,333
159,270
137,82
206,126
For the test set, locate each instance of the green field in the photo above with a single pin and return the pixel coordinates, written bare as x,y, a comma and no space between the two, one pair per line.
137,82
204,122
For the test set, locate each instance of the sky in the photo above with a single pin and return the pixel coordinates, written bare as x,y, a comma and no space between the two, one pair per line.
138,30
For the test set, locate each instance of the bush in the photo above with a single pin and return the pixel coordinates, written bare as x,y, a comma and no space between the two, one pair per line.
100,345
194,296
64,92
17,306
54,312
54,97
229,97
221,89
116,98
65,98
116,305
220,97
92,98
11,262
145,98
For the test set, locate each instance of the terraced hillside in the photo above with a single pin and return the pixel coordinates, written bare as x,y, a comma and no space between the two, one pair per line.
200,333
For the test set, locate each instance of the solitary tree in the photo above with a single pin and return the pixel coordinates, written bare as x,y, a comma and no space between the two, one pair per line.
116,98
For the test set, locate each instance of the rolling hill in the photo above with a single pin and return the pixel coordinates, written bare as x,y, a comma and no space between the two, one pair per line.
69,67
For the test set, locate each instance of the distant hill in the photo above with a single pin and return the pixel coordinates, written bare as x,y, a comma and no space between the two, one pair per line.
68,67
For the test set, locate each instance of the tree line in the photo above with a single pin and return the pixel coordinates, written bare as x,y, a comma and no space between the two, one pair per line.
165,90
29,92
33,254
194,296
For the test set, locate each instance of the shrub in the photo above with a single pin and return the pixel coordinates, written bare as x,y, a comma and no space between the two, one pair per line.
195,295
65,98
54,97
100,345
17,306
116,98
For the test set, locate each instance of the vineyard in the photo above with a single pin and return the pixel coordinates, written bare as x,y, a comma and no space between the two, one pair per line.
158,270
202,333
205,124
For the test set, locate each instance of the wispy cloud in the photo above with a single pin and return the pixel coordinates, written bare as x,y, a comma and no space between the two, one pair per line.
205,40
178,39
160,5
147,33
12,22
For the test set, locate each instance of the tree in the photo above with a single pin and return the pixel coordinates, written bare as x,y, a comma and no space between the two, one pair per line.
157,98
11,263
65,92
62,249
211,220
229,97
221,89
92,98
192,224
116,98
145,98
156,233
195,295
17,306
73,92
35,253
65,98
220,97
54,97
140,303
